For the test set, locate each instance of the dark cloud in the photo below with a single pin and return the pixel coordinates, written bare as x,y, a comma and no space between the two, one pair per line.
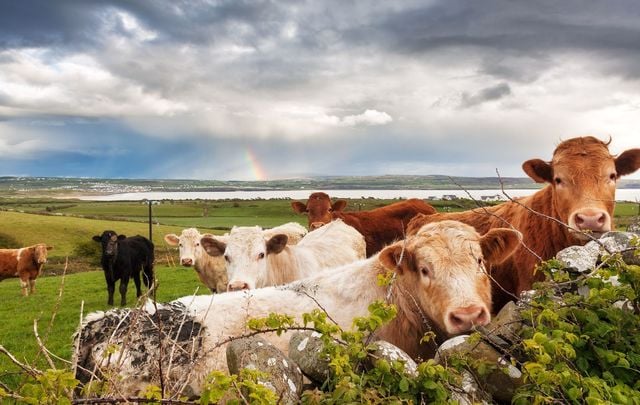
488,94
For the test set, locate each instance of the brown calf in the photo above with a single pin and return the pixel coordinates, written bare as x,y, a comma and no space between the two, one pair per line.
379,226
25,263
582,178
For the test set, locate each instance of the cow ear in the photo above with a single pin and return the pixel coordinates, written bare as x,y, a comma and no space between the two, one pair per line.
299,207
397,258
628,162
122,237
277,243
49,247
538,170
97,238
339,205
499,243
172,239
213,246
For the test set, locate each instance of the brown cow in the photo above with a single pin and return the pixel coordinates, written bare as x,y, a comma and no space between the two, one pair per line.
25,263
582,178
379,226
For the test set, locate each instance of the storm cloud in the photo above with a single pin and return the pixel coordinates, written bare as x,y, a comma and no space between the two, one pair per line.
190,89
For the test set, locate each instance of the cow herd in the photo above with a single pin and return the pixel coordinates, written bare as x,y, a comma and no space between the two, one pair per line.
451,271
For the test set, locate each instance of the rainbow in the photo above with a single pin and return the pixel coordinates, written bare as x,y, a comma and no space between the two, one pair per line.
256,168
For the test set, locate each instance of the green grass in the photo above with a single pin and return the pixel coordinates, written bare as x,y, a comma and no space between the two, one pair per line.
17,313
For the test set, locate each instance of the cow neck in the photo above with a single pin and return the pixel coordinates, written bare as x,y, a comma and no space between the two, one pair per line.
411,322
555,236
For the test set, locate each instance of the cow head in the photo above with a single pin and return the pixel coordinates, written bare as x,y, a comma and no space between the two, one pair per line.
318,209
442,270
189,244
245,254
582,175
109,241
40,253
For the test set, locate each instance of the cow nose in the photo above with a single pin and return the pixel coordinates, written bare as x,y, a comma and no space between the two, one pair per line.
592,221
237,286
464,319
316,225
187,262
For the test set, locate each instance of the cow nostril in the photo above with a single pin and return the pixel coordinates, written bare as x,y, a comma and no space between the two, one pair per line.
601,219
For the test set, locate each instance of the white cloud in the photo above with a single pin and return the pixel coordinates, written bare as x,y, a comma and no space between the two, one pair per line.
369,117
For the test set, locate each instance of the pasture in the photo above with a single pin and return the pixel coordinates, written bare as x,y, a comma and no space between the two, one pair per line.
68,225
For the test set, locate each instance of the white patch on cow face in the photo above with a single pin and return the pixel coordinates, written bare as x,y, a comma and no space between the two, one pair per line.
454,289
245,258
190,248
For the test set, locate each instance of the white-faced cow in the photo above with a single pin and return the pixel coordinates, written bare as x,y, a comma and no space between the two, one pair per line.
254,260
581,177
25,263
123,258
379,226
211,270
440,285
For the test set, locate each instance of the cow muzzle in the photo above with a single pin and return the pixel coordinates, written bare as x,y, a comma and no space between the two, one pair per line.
466,318
187,262
237,286
316,225
591,220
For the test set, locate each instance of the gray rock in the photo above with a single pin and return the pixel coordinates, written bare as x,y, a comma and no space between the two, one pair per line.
580,259
305,349
621,242
284,376
501,382
634,226
507,324
383,350
469,392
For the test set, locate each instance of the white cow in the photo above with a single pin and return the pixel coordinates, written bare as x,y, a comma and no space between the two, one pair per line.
440,285
211,270
255,260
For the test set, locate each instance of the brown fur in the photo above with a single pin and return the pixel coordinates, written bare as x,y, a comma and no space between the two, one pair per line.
379,226
586,173
25,263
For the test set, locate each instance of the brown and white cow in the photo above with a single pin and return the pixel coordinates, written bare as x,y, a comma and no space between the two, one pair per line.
380,226
440,285
25,263
211,270
582,177
254,259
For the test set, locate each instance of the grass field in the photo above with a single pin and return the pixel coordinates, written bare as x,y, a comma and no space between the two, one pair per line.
69,225
57,304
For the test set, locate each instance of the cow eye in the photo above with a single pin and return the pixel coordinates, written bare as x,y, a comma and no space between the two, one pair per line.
197,244
425,271
227,258
480,261
260,255
613,177
558,180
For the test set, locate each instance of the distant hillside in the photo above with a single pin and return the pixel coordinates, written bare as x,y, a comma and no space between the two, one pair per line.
66,186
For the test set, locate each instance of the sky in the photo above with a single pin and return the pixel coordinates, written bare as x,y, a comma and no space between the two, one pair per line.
262,90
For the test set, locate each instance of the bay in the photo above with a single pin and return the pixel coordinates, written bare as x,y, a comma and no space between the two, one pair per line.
628,194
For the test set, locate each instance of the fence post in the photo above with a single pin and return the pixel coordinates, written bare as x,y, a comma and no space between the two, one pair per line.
150,227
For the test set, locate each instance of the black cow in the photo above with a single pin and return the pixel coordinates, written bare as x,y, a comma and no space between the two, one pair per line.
122,258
